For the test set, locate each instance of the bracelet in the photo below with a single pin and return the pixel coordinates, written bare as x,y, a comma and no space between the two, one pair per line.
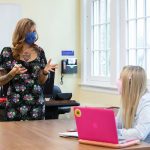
45,74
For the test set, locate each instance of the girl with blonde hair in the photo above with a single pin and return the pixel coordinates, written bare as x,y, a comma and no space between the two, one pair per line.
133,119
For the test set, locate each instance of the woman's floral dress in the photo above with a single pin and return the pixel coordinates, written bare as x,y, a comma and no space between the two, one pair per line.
25,94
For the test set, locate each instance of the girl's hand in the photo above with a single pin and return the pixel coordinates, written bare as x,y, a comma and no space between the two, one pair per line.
50,67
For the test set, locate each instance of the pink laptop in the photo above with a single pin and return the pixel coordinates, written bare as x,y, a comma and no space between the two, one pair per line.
97,126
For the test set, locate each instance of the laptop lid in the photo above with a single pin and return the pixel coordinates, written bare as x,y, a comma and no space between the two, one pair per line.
96,124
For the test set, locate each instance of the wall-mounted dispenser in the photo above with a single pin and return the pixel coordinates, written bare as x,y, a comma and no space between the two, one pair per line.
69,66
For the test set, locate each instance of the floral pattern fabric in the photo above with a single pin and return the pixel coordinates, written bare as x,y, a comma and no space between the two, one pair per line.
25,94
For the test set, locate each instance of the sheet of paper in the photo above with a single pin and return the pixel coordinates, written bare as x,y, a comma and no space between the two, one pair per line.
68,134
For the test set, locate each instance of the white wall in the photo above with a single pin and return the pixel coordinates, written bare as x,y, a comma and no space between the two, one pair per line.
9,14
58,25
58,28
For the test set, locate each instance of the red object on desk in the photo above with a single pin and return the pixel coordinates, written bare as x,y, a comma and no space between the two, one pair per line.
3,99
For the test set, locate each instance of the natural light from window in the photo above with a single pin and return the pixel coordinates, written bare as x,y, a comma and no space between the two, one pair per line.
116,33
100,38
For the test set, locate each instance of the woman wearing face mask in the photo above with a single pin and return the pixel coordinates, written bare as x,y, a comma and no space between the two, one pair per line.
25,70
133,119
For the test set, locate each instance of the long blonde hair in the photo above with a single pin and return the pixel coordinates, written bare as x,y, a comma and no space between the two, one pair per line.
133,87
23,26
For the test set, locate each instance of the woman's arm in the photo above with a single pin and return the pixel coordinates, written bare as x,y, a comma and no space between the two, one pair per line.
42,77
6,77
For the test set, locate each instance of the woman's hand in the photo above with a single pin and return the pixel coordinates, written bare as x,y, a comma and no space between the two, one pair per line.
50,67
5,78
44,73
18,69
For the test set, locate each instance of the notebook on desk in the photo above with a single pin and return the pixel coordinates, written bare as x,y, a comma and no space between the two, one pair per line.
97,126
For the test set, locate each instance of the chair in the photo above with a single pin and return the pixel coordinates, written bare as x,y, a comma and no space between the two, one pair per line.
52,91
53,112
58,95
49,85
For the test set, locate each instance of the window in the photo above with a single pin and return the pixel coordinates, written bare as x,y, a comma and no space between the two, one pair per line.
138,33
100,38
114,33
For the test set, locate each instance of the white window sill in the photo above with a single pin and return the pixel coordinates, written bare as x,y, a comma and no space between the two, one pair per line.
105,88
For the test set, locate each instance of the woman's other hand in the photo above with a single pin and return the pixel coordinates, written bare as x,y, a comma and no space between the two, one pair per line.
50,67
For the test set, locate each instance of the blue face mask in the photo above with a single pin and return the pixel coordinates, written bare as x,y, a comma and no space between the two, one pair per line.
30,37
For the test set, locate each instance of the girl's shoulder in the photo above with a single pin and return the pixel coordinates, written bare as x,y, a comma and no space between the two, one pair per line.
144,102
145,98
147,94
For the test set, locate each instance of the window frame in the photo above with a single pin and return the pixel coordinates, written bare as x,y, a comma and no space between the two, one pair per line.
103,84
118,48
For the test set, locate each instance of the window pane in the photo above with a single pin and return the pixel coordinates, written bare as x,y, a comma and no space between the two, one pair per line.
148,62
96,63
100,39
140,33
141,57
108,36
148,33
131,9
103,37
108,63
96,12
96,38
132,57
132,34
103,63
148,7
140,8
102,11
108,10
